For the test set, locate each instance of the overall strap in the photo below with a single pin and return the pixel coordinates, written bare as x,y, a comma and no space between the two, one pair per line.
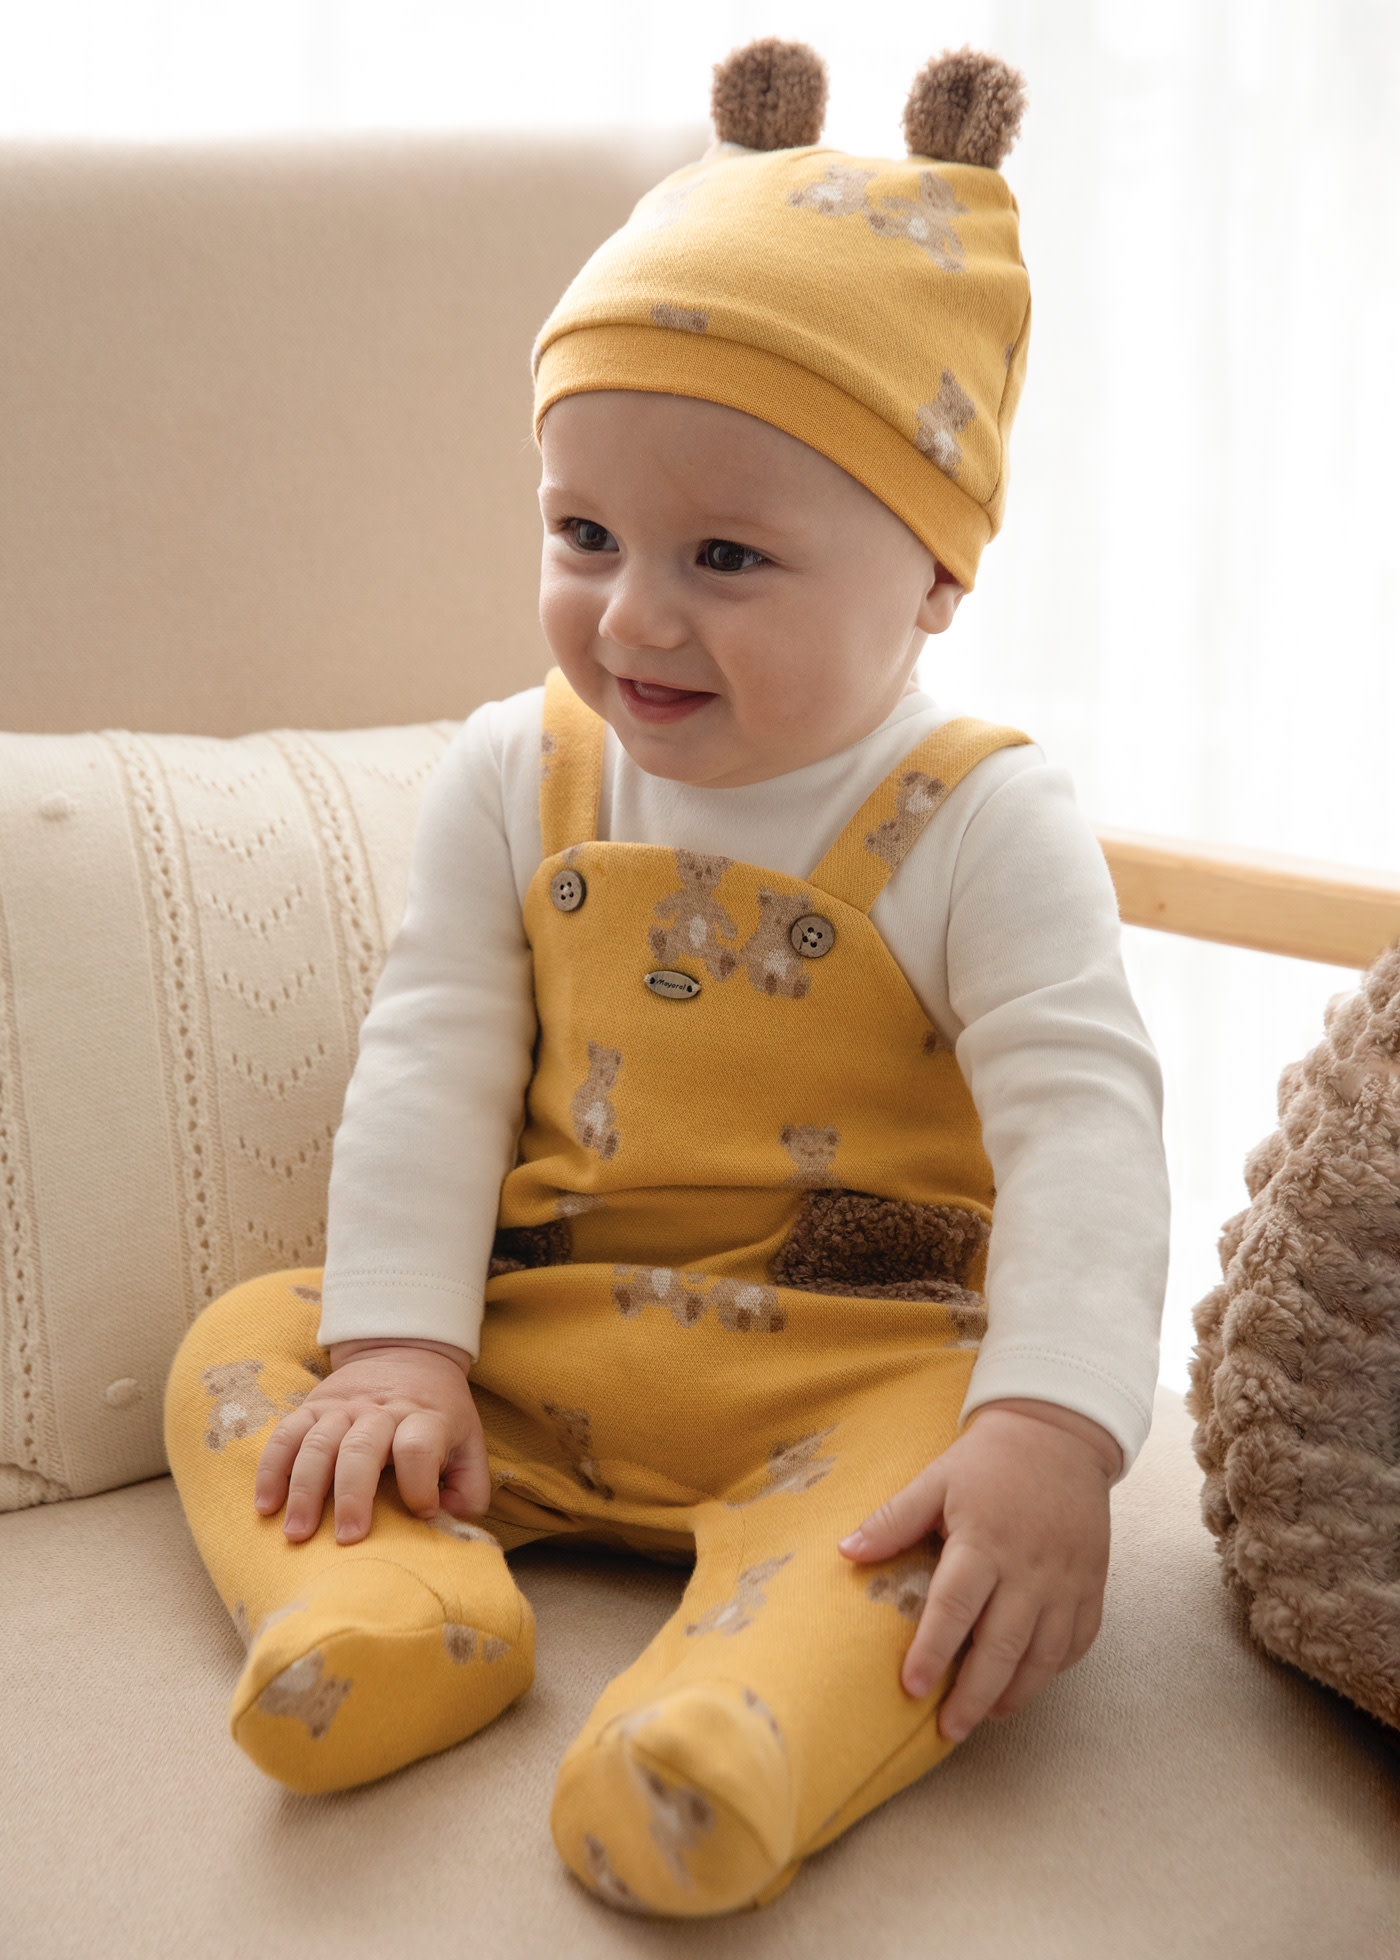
571,767
894,816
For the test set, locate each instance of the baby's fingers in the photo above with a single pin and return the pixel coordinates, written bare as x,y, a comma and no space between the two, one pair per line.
903,1520
279,1454
466,1479
963,1582
420,1445
1004,1633
312,1472
1047,1655
364,1450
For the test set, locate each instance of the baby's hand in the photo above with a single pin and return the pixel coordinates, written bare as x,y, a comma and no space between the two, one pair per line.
402,1400
1021,1503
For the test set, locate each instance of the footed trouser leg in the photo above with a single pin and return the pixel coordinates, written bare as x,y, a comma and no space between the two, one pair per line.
361,1657
768,1715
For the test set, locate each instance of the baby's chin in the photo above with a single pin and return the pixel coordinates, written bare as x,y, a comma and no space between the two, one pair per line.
690,756
711,766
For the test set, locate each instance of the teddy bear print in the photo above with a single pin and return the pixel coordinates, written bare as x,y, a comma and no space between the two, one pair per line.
742,1606
318,1367
935,1042
694,925
741,1306
461,1644
772,965
793,1467
839,193
682,319
926,220
679,1817
969,1318
306,1691
635,1287
904,1585
245,1632
664,206
573,1204
758,1706
594,1118
605,1880
547,747
916,799
940,422
240,1407
744,1308
576,1435
311,1294
466,1534
811,1148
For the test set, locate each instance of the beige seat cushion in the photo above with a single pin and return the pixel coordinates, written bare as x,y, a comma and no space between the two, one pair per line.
1177,1797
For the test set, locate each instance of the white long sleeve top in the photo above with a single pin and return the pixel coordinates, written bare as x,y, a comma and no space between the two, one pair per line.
1003,920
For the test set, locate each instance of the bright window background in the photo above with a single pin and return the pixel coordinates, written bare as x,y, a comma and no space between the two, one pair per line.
1195,605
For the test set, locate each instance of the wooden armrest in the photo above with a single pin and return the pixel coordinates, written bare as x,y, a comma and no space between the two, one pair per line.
1275,904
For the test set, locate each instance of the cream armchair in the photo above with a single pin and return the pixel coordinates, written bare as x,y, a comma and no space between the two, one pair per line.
265,465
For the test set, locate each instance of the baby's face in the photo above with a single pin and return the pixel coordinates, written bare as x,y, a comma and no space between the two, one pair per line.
733,603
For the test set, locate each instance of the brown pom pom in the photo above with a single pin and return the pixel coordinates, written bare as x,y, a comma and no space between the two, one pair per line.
965,108
770,95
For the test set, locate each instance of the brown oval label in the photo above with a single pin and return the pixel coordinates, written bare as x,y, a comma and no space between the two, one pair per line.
672,985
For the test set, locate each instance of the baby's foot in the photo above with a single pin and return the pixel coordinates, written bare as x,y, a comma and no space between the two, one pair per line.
683,1806
365,1672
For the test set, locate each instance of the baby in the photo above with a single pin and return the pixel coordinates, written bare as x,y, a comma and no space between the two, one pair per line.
735,980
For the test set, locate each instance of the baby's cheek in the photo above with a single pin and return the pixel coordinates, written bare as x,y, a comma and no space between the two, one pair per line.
568,613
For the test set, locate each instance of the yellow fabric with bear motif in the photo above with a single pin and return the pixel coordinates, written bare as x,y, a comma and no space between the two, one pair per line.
877,310
733,1308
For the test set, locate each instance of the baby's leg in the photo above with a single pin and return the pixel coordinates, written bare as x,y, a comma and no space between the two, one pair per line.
361,1657
768,1714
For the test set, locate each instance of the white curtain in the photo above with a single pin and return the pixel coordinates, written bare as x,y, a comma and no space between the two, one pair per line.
1195,605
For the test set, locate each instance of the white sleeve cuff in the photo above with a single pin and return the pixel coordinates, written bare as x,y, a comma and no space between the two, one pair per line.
367,1306
1025,1373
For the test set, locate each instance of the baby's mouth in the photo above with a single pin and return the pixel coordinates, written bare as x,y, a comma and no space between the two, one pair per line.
655,702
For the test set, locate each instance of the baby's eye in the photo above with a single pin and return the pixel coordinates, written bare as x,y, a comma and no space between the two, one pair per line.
585,535
722,555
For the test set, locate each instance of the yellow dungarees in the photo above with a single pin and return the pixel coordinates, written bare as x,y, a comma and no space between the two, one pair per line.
734,1306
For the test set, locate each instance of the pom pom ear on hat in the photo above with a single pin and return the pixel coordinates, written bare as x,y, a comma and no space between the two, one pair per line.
770,95
965,108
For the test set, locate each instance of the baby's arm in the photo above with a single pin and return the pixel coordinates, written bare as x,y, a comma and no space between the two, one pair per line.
405,1402
1020,1501
1069,1097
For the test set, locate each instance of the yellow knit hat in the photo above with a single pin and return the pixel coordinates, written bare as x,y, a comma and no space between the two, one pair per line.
879,311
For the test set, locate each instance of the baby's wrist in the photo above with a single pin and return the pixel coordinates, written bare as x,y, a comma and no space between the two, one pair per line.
343,1351
1101,1444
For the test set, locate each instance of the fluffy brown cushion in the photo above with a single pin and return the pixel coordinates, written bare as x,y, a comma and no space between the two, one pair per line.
1296,1381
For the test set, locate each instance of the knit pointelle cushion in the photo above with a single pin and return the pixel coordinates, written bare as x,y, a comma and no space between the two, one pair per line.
190,932
1296,1380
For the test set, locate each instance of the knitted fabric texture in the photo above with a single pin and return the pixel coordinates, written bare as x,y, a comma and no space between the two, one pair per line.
1296,1380
190,934
877,310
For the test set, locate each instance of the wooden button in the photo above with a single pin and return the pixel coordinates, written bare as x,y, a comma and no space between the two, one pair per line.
812,936
567,891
